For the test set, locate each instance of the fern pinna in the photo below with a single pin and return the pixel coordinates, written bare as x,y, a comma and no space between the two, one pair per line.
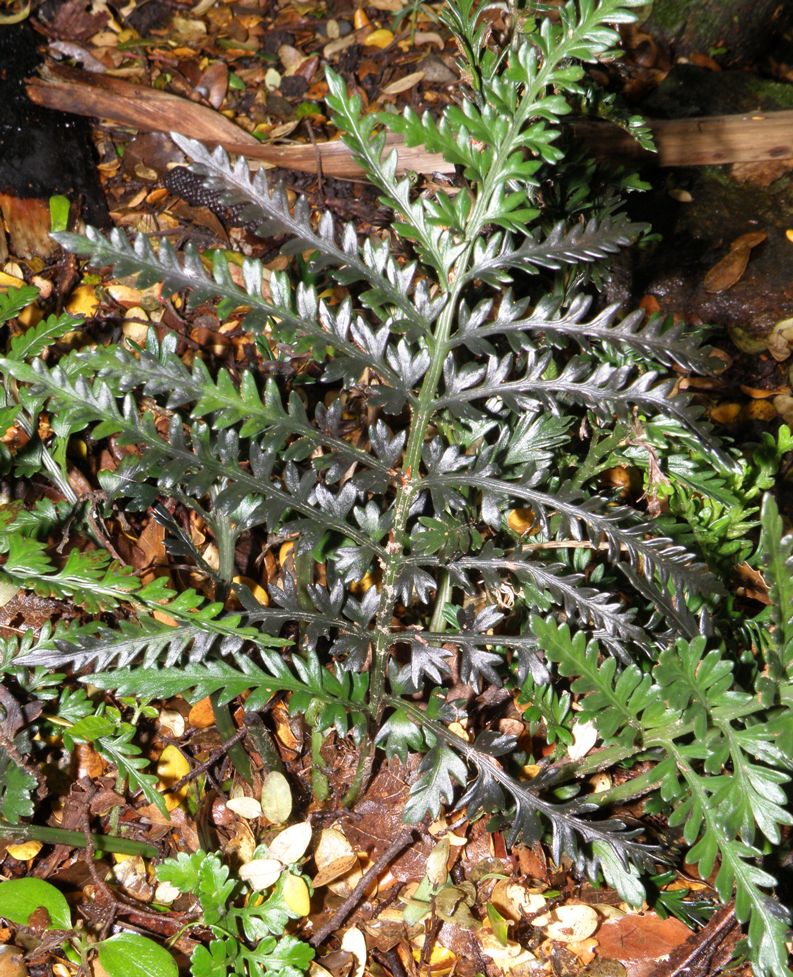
444,469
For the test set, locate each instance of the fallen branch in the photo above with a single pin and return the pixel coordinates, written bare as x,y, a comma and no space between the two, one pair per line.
341,913
700,141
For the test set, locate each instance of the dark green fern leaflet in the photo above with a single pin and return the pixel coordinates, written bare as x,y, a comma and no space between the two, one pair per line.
442,473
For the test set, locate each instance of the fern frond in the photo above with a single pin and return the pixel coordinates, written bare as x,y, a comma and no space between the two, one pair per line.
777,552
561,246
389,284
663,342
495,790
617,526
606,390
297,317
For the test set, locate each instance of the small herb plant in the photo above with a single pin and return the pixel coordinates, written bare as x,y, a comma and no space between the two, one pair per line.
38,905
441,473
248,936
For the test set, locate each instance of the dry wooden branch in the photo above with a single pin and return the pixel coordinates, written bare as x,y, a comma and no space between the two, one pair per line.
700,141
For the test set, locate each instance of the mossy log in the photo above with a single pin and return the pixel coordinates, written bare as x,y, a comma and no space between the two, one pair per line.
732,31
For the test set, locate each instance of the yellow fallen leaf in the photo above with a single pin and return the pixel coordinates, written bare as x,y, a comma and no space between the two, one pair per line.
296,895
171,767
25,851
380,38
441,962
360,19
521,520
83,301
725,413
10,281
362,585
259,592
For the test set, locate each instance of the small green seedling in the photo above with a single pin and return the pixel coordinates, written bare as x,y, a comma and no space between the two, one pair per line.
121,955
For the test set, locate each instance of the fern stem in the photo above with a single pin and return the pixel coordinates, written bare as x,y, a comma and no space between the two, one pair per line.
636,787
406,494
77,839
227,730
437,622
426,405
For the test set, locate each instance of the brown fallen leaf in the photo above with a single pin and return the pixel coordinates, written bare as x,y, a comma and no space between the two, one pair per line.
749,240
403,84
761,173
752,584
727,272
12,961
640,941
706,952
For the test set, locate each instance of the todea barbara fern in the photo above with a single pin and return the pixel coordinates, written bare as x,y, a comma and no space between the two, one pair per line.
443,469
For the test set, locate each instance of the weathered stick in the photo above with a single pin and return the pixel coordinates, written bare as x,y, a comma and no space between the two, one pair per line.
700,141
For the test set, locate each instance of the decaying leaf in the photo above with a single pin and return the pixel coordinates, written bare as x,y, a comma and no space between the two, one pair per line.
571,923
261,873
729,270
245,807
354,942
291,844
585,735
337,863
780,341
516,901
640,941
276,798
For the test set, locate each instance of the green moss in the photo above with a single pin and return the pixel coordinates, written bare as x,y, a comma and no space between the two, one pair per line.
671,14
770,94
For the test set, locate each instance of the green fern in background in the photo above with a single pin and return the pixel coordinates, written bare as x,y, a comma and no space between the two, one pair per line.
489,386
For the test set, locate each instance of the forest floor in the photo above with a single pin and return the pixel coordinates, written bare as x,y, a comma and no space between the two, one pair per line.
260,67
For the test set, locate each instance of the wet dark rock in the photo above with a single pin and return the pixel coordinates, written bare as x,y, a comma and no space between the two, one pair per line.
697,234
278,107
43,152
294,86
732,31
688,91
274,39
